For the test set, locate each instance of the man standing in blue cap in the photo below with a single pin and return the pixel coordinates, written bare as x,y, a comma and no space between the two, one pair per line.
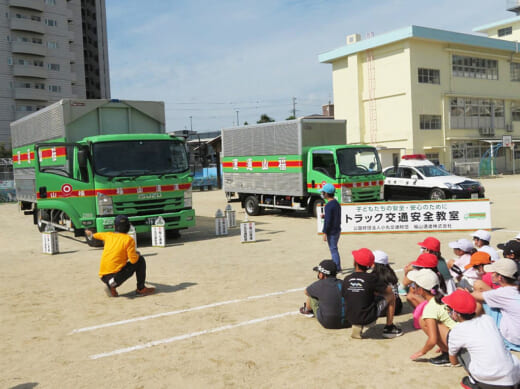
120,260
332,223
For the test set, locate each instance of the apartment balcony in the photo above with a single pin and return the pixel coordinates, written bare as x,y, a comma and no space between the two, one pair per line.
29,71
29,4
27,25
28,48
31,94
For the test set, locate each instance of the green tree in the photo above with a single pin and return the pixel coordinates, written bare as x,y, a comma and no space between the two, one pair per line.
292,117
265,119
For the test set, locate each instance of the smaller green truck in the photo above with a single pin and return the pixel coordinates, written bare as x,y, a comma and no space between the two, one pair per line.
79,163
285,164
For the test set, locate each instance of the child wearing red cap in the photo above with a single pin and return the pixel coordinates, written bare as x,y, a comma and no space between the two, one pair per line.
366,297
477,345
433,246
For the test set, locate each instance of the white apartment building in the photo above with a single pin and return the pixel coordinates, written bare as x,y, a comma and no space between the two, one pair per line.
49,50
452,96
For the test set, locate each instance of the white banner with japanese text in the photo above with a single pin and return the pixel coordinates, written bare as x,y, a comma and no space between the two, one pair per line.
413,216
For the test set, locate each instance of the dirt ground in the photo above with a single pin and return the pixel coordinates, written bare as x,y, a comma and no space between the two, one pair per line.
225,315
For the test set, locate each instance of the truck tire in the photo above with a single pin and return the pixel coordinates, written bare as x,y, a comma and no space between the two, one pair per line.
437,194
40,215
251,206
317,203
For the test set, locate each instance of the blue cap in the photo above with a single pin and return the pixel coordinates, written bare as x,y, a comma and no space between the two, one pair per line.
121,219
328,188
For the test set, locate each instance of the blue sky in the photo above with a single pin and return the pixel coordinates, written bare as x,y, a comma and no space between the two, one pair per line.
209,59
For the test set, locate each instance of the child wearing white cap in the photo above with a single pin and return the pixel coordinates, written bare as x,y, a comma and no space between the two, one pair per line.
386,274
462,249
502,304
482,238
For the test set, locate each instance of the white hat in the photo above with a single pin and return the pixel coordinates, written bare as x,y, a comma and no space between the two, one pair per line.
517,237
380,257
425,278
462,244
505,267
482,235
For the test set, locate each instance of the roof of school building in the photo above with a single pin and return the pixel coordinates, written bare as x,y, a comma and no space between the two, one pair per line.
421,33
498,23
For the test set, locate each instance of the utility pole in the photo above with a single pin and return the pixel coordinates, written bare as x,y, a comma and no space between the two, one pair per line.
238,122
191,123
294,107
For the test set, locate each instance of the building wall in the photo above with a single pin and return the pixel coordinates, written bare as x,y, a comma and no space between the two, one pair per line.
42,55
400,99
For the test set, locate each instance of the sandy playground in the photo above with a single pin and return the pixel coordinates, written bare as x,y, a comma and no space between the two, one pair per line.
225,315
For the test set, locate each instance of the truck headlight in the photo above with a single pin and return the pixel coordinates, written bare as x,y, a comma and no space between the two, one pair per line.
105,204
187,198
346,195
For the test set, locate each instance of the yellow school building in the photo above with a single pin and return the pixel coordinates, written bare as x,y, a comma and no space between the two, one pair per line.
452,96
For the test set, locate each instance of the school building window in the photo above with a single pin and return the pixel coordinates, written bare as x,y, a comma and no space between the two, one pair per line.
54,88
53,66
473,67
430,122
515,71
505,31
515,111
51,22
476,113
429,76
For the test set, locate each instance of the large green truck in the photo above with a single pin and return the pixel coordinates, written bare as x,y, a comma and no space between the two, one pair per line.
285,164
79,163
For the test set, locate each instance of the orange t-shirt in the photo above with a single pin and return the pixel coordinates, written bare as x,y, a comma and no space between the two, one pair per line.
119,248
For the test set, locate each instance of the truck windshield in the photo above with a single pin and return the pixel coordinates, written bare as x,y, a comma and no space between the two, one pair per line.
139,158
358,161
432,171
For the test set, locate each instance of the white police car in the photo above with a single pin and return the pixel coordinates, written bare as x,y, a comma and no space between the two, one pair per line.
417,178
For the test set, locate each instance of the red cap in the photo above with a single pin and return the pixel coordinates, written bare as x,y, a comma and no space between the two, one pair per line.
461,301
363,257
431,243
426,260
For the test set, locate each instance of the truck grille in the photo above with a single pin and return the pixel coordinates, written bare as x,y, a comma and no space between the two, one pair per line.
147,207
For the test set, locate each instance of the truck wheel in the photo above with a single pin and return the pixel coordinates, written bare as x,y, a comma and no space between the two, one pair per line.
317,203
41,215
93,242
437,194
251,206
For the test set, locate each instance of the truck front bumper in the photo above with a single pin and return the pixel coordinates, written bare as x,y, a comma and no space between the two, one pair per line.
174,221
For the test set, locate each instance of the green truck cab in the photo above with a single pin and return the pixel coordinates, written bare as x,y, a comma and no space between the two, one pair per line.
80,163
285,164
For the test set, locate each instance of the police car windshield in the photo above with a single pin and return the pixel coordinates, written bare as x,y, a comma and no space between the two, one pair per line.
139,158
358,161
432,171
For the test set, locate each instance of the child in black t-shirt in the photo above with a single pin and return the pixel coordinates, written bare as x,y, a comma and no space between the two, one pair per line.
384,272
366,297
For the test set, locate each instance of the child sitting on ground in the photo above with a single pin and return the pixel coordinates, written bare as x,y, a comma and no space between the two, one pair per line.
462,249
434,321
386,274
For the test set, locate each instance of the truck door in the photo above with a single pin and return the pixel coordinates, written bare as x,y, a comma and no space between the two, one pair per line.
323,168
64,184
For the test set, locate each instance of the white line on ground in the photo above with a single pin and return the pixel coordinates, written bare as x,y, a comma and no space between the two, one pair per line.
201,307
190,335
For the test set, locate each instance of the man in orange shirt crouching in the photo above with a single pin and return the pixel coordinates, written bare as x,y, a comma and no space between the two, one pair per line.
120,259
